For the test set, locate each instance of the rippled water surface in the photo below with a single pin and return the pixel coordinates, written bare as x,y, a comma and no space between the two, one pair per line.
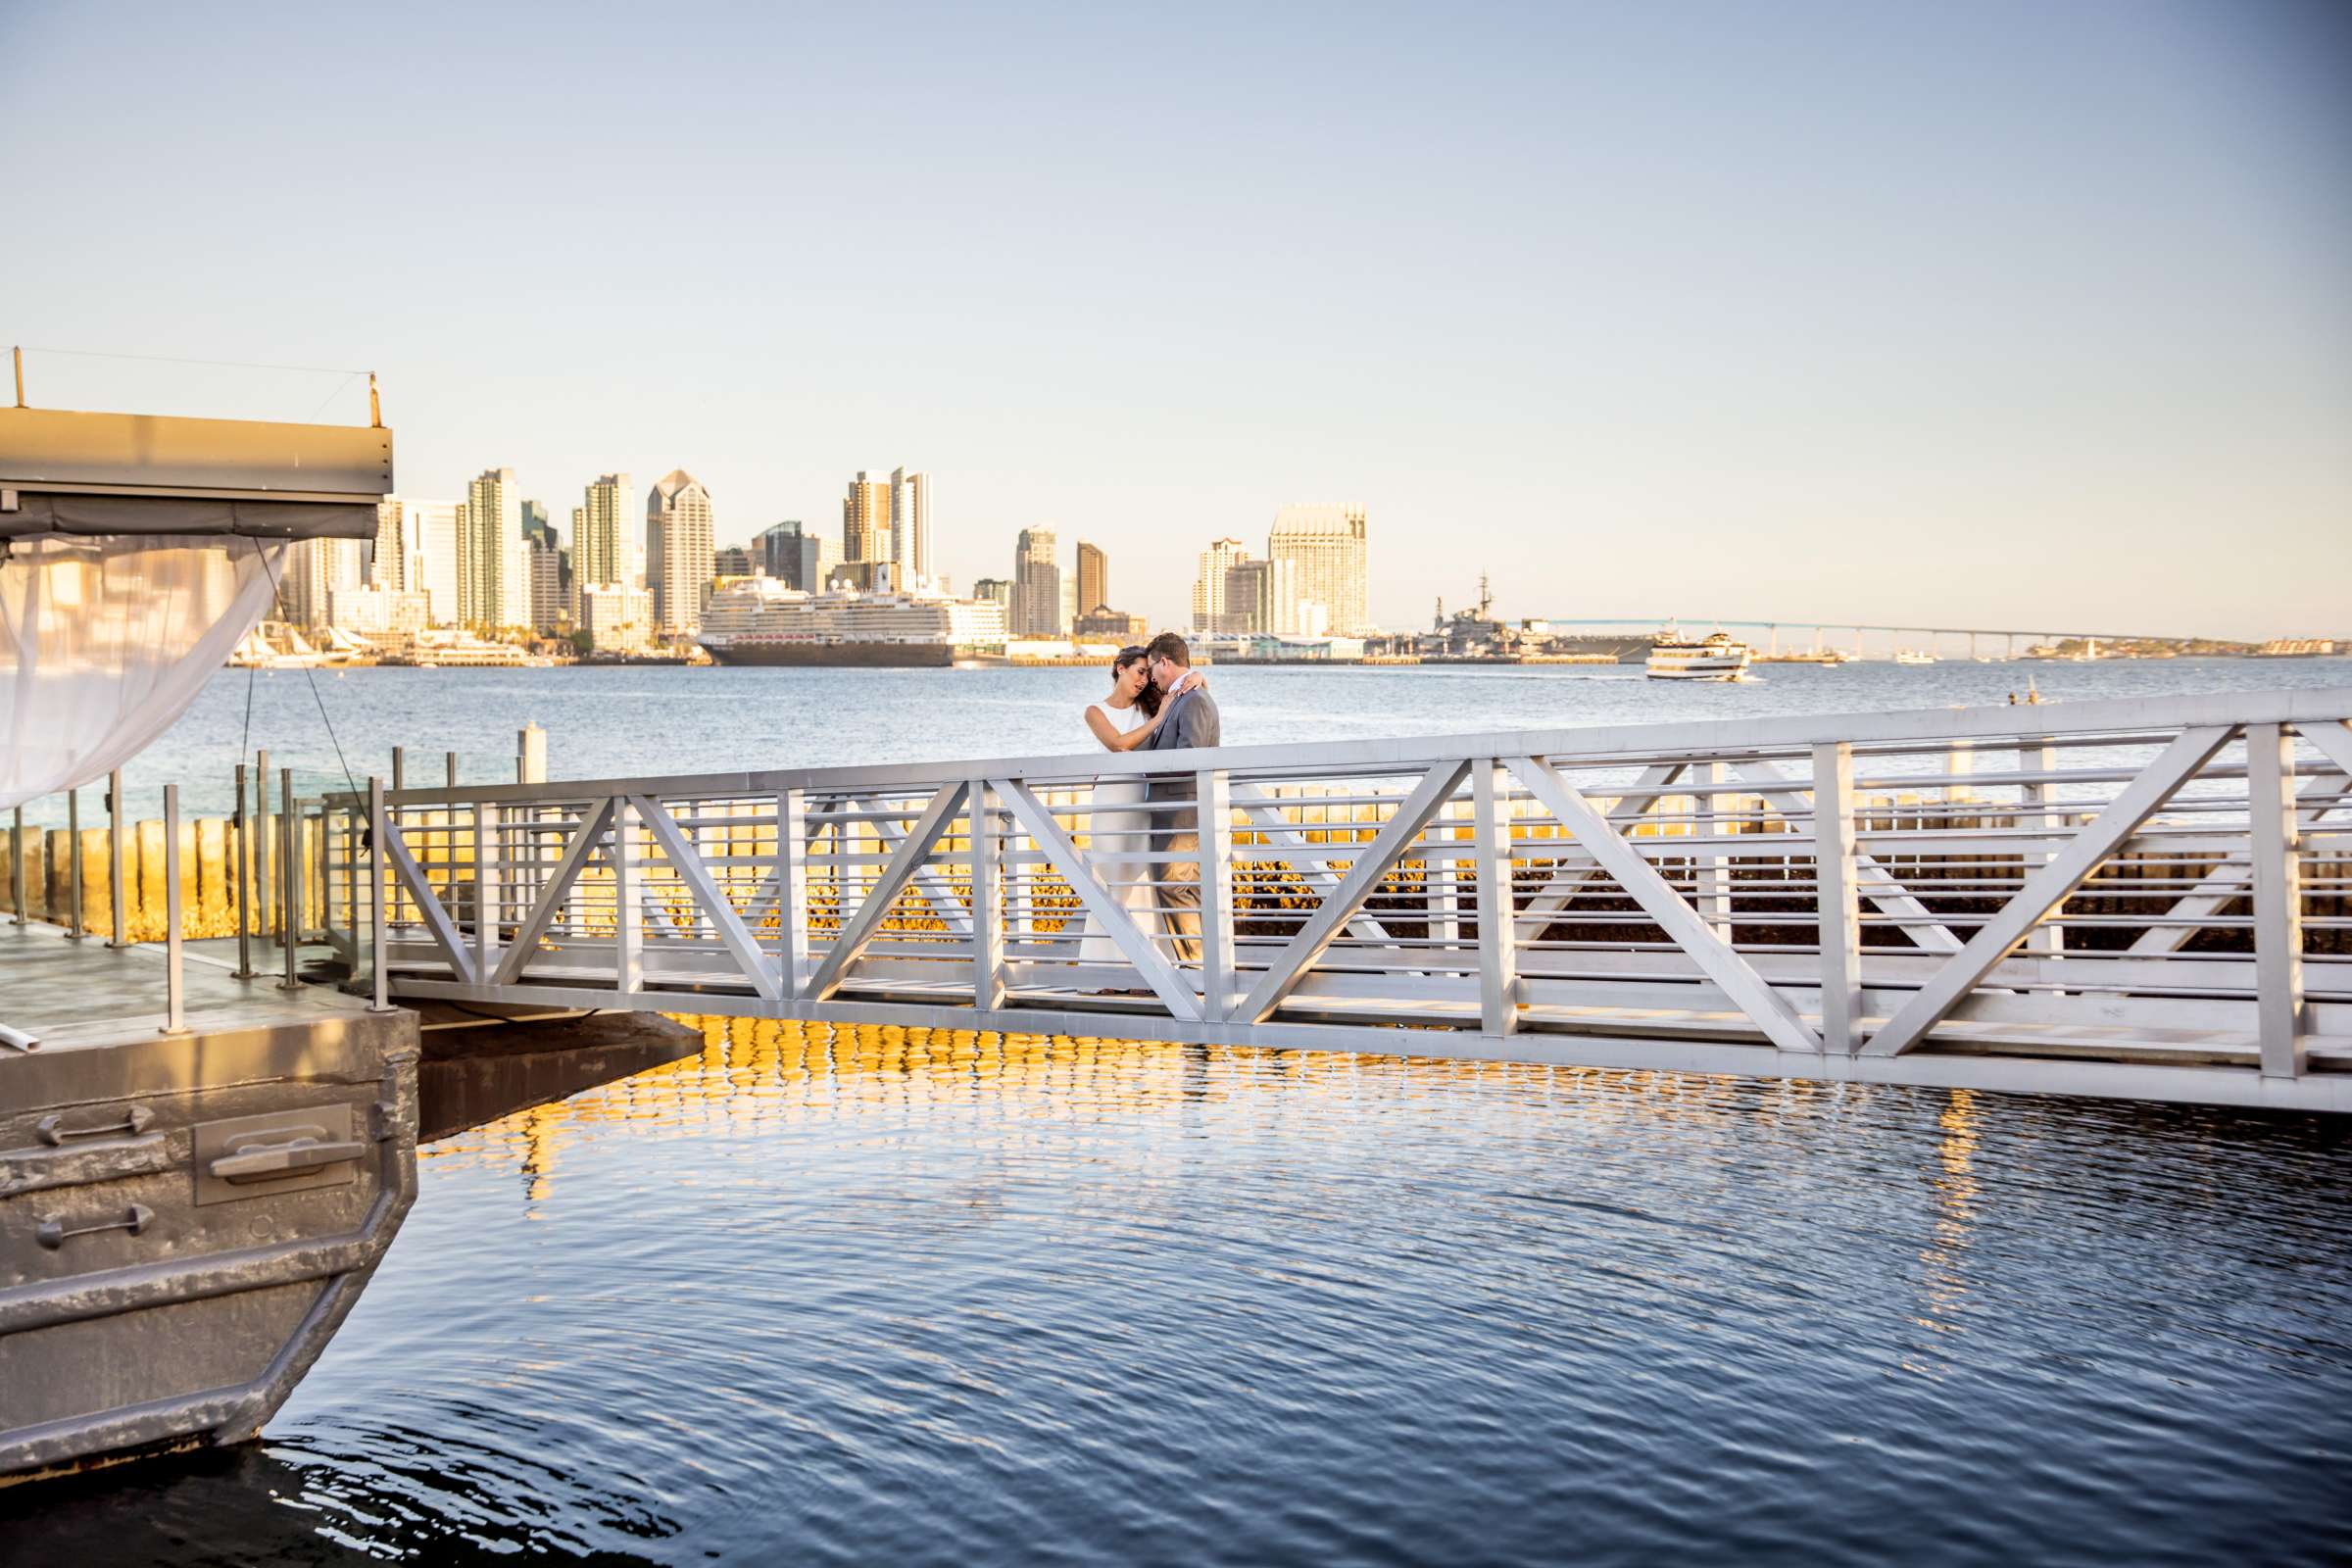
872,1297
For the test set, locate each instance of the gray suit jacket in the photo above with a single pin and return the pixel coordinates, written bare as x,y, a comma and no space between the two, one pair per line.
1193,722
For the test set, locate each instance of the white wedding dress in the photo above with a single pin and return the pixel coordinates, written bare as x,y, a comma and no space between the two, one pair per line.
1118,834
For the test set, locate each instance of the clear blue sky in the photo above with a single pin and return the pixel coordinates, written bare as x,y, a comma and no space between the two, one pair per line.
1976,312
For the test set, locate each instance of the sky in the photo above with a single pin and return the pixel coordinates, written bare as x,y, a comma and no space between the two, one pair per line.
1999,314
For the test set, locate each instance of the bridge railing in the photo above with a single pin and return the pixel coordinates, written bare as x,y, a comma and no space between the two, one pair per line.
2144,883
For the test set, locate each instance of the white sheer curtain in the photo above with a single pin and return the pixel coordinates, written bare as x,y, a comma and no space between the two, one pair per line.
111,639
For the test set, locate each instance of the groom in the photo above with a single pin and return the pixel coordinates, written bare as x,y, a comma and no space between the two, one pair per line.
1191,721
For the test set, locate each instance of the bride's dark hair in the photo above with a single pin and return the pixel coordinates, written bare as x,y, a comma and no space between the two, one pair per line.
1147,700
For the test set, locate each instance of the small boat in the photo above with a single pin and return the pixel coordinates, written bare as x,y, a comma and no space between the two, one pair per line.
1716,656
1913,656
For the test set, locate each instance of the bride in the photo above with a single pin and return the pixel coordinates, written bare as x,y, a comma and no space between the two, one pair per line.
1119,832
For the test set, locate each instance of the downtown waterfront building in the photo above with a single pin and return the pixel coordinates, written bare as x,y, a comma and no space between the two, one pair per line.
678,552
607,549
1094,578
1326,545
865,520
1035,585
910,527
1208,585
494,572
417,553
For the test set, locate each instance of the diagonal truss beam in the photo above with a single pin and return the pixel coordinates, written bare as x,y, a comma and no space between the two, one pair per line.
862,928
1558,891
930,883
1289,966
2049,888
593,824
1872,880
1052,843
429,909
1264,815
1706,946
688,864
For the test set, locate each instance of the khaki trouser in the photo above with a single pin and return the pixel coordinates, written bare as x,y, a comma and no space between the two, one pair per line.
1180,892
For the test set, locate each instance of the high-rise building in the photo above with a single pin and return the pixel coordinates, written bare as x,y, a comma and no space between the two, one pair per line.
997,591
550,608
1209,588
1093,577
607,547
1328,544
315,570
865,520
417,552
618,618
494,575
534,521
1262,596
677,551
911,526
796,556
731,561
1035,585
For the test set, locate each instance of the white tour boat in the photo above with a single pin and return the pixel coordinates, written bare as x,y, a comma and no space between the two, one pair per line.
1716,656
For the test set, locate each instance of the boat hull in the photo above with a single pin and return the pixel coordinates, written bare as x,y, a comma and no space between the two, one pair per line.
857,655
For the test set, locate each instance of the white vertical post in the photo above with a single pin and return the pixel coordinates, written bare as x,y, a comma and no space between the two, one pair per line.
485,887
1835,886
2277,899
988,878
530,755
1498,914
791,889
176,1019
378,827
1712,881
628,931
74,930
244,877
289,904
264,879
2047,939
1215,804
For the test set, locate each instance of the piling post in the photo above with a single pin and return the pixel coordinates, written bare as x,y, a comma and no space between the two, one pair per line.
116,904
381,999
74,930
265,883
16,867
245,862
530,755
176,1019
288,901
400,759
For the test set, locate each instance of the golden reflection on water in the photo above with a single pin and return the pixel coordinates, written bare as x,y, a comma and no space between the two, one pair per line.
757,1074
1943,1284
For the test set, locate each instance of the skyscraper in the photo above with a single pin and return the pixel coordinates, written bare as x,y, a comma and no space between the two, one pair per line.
677,551
606,547
1262,596
910,527
1094,578
534,521
1209,588
315,570
549,608
865,520
417,552
1035,585
796,556
494,574
1328,544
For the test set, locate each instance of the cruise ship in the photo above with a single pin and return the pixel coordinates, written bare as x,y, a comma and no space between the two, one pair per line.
762,621
1716,656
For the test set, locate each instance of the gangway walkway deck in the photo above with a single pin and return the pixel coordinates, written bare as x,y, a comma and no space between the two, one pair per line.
2141,898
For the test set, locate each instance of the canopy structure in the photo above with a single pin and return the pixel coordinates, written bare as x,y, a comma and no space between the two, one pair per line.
135,550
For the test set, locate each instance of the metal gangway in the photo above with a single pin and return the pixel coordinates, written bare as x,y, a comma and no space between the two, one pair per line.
2141,897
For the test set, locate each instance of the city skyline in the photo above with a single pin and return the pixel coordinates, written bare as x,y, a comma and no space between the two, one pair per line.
1773,290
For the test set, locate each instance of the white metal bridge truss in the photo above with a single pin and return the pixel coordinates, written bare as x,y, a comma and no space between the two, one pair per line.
2143,898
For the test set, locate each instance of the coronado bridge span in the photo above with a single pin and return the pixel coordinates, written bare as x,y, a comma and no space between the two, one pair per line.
2139,897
